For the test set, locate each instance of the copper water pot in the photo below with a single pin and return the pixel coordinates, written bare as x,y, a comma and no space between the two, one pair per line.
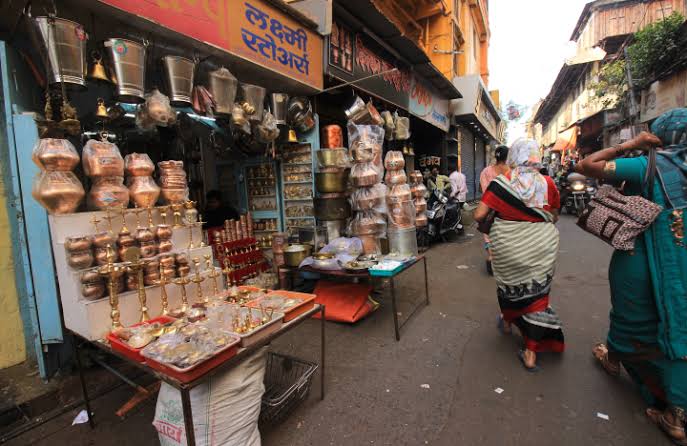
363,175
102,159
163,232
174,196
148,249
108,192
93,290
181,259
167,260
102,239
101,256
55,155
74,244
80,259
395,177
165,246
419,191
143,191
138,165
144,235
332,137
90,276
183,270
59,192
394,160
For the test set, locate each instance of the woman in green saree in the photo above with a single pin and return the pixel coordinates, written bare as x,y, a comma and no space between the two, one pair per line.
648,319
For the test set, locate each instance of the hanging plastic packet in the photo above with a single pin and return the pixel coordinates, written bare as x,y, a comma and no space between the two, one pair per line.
389,125
267,131
402,127
158,109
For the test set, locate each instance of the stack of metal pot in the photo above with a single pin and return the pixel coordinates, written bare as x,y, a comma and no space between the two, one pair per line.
143,191
56,187
368,197
419,191
401,232
331,181
104,164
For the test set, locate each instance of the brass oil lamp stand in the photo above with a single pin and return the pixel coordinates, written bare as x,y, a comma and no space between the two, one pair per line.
113,272
136,264
213,273
198,280
182,282
164,300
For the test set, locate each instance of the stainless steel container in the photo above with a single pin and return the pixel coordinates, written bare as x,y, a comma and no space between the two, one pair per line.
179,73
279,104
128,59
63,43
223,86
402,241
334,228
335,207
254,97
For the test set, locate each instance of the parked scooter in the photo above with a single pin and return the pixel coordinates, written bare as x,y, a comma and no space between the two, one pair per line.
443,215
576,193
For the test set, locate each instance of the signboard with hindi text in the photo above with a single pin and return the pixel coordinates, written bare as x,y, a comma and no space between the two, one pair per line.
252,30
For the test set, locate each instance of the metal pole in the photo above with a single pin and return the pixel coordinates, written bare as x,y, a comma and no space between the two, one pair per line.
82,378
393,308
322,354
188,417
424,260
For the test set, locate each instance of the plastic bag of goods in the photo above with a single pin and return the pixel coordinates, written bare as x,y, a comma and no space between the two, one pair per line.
395,177
389,125
267,131
55,155
398,193
58,192
107,192
418,190
157,111
102,159
138,165
394,160
364,175
368,223
402,214
402,127
371,134
225,409
352,247
370,198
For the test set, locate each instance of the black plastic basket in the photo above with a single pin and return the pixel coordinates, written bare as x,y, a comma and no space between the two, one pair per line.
287,384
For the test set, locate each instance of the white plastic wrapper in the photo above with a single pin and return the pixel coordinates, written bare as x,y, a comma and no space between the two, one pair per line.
267,131
389,125
55,155
157,110
370,199
367,223
395,177
402,127
102,159
402,214
365,175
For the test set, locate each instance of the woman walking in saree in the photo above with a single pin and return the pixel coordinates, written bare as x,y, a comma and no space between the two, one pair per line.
648,319
524,245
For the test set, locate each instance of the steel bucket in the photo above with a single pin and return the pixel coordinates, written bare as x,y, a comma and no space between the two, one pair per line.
254,97
279,104
128,59
179,72
223,86
402,241
63,43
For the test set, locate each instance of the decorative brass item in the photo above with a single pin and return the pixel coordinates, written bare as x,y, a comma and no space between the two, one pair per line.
213,274
133,257
150,217
97,70
164,300
109,219
176,209
101,110
182,282
228,271
113,272
163,214
190,213
198,280
292,136
190,237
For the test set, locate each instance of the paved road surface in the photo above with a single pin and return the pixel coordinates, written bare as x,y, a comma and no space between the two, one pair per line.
436,386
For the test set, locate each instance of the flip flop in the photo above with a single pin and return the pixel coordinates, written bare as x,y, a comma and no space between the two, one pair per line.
609,367
521,356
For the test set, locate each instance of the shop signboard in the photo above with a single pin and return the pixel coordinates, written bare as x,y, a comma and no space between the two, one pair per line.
252,30
428,106
352,57
664,95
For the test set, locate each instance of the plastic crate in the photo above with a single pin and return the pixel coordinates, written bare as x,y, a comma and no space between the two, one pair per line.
287,384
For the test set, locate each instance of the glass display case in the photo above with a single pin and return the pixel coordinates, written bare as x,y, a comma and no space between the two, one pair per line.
298,187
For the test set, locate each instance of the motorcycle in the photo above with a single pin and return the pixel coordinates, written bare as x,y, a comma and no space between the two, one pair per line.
579,190
443,215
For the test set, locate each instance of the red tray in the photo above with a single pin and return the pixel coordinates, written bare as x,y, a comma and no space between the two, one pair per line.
128,351
307,303
196,371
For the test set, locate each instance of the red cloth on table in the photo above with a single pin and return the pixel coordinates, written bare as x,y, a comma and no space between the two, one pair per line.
344,302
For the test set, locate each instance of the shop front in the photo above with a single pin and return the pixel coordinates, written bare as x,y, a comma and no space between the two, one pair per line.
476,129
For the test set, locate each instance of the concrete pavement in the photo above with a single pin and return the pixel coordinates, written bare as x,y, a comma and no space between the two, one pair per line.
436,386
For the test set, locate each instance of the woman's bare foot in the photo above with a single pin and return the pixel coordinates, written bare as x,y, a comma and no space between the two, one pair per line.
671,421
600,352
530,358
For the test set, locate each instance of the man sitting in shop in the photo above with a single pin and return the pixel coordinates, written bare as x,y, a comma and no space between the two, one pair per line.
437,181
217,212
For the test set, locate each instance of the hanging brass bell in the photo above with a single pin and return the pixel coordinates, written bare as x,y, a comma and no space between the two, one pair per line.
292,136
405,150
101,110
97,70
411,151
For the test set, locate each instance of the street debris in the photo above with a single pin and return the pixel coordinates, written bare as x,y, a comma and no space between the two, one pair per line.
498,390
463,267
603,416
81,418
425,386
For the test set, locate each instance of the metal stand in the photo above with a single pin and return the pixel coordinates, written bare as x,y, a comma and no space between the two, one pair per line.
185,387
397,328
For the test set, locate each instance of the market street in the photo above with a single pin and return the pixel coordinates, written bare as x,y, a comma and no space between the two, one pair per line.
376,387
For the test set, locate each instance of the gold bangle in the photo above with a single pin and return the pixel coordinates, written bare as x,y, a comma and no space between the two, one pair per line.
609,167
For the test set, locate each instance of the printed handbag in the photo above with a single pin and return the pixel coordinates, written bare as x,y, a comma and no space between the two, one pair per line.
618,219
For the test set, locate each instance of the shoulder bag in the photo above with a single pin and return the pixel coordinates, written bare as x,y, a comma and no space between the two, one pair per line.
618,219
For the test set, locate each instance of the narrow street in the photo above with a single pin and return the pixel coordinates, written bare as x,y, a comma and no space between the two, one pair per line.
377,389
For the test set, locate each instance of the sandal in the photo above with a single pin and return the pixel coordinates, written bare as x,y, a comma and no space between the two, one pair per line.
600,353
676,432
521,356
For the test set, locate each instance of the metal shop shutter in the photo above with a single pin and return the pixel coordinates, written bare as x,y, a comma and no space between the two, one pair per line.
480,164
467,157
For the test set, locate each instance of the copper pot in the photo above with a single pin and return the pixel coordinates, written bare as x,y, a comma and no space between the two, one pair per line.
102,239
363,175
421,220
395,177
183,270
144,235
153,265
170,166
102,159
138,165
169,272
419,191
151,278
148,249
163,232
165,246
101,256
167,260
131,281
401,214
55,155
123,249
108,192
362,152
394,160
73,244
420,206
181,259
93,290
90,276
332,136
371,244
80,259
174,196
399,193
143,191
416,177
58,192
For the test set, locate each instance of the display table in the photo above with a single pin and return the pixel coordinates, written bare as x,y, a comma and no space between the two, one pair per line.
185,388
365,275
